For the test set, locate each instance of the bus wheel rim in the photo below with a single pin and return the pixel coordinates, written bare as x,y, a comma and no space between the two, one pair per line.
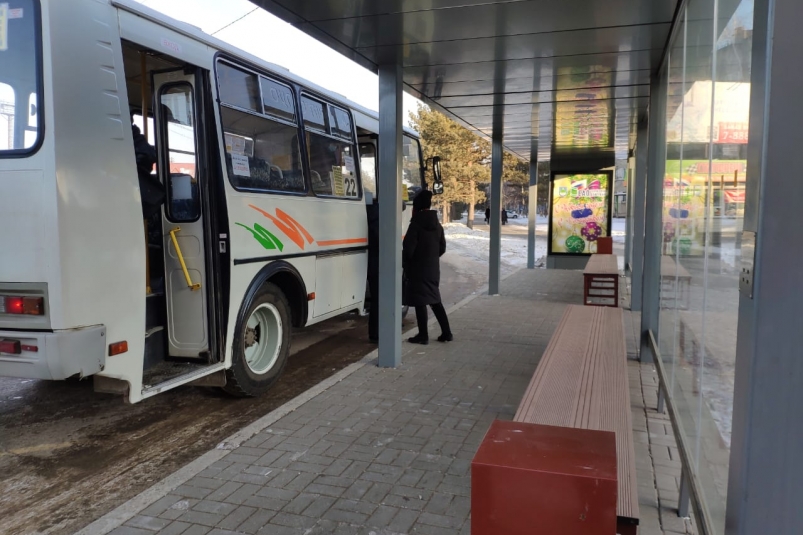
262,340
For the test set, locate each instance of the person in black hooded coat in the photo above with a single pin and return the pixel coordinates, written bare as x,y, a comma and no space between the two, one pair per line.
423,246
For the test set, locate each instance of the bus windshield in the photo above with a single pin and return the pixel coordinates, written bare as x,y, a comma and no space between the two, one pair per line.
19,76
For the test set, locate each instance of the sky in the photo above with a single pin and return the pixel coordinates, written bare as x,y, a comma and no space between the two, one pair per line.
273,40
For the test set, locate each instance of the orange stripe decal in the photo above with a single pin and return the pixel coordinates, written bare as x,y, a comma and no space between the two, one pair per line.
351,241
284,216
289,226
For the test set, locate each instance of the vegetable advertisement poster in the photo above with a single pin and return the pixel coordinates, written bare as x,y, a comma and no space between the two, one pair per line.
580,205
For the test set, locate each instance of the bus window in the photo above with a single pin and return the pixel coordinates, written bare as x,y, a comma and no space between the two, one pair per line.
20,75
238,88
263,152
177,113
331,158
368,167
411,166
7,114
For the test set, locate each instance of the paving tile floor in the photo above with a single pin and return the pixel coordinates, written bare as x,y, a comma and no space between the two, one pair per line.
388,451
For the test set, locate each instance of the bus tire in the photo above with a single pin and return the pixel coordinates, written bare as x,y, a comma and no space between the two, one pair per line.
261,343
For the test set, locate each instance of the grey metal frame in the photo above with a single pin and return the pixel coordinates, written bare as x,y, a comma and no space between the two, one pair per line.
495,249
532,207
765,485
639,197
390,220
691,488
651,279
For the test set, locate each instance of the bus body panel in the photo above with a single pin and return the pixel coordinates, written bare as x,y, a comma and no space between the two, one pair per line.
99,227
164,40
317,230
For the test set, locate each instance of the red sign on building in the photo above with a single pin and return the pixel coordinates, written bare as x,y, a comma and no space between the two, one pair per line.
731,133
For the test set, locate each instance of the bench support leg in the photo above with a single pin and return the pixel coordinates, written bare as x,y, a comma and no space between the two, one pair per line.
683,498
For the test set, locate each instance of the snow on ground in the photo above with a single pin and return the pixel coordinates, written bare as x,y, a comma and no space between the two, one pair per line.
474,244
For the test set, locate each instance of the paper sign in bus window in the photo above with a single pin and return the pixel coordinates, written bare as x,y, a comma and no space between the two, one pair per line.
349,164
337,179
239,165
239,145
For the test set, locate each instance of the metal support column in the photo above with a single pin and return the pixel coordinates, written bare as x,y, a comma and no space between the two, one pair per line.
684,496
390,226
639,195
629,221
495,249
532,207
656,162
765,485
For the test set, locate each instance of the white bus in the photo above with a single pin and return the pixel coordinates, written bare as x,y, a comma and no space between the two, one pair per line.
263,227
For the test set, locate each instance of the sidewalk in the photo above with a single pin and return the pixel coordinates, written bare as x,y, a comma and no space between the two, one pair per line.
387,452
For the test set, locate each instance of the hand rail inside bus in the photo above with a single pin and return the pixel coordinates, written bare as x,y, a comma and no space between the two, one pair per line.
190,285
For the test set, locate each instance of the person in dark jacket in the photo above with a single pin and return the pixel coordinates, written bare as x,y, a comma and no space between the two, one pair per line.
423,246
504,217
487,215
150,188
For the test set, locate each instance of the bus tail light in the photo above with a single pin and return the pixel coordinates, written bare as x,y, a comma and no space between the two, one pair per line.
32,306
10,346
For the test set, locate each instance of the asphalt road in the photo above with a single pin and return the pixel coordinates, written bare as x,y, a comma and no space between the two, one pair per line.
69,455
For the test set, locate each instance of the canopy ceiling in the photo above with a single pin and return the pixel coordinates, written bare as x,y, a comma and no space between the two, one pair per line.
566,76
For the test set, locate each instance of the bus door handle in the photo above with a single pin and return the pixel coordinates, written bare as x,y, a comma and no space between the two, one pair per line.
190,285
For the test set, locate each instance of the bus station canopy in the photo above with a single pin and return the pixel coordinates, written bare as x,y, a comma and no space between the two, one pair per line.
567,77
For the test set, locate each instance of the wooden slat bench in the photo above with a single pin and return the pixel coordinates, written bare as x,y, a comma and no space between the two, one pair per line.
601,281
582,382
675,284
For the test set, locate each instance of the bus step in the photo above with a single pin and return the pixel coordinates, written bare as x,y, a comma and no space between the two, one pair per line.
154,347
154,311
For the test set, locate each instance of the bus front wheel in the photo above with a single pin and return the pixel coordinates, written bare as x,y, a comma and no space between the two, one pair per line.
261,343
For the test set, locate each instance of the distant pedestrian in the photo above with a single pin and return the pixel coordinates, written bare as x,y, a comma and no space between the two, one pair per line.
504,217
487,214
423,246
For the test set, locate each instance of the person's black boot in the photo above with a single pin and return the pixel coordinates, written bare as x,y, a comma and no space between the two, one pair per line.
418,339
445,338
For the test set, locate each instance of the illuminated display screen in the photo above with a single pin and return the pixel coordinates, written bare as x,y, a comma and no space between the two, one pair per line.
580,210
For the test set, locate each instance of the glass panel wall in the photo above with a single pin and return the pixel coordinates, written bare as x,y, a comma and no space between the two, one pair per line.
707,117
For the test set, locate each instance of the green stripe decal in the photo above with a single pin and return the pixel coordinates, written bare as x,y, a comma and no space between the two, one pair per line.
263,236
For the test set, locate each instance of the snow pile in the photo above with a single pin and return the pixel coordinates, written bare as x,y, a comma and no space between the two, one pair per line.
474,244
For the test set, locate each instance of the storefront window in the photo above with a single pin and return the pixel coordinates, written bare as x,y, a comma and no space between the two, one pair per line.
708,83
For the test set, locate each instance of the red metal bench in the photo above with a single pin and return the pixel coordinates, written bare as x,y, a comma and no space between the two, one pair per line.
601,281
530,479
582,382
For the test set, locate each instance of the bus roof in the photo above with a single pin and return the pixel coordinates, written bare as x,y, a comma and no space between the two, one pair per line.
369,116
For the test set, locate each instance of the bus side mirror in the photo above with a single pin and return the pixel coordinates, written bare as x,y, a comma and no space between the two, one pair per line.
436,169
437,182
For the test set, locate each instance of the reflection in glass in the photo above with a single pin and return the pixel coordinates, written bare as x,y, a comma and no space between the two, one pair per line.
583,112
703,209
177,114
